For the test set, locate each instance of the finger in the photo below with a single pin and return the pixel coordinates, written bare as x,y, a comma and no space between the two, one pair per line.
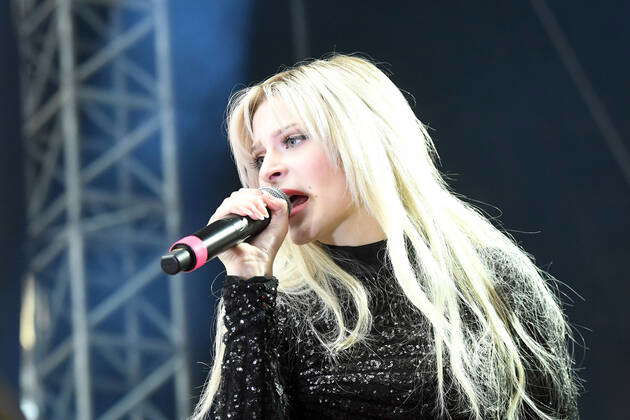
255,204
254,208
244,202
261,206
256,212
228,207
274,203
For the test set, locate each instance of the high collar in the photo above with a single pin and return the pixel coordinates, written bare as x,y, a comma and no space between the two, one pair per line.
372,255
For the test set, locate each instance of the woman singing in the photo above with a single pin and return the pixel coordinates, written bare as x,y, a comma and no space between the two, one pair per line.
392,298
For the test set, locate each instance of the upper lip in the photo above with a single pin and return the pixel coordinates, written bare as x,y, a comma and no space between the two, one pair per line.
289,192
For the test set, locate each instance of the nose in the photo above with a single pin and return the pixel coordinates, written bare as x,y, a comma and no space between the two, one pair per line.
272,170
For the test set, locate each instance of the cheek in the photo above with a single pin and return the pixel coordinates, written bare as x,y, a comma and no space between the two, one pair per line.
323,179
320,165
319,169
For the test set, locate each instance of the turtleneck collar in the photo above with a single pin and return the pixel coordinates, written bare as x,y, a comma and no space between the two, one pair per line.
371,255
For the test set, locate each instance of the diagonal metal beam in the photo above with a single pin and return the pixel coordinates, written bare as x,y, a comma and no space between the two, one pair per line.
95,22
585,88
100,119
122,295
123,147
61,353
50,109
43,69
36,17
155,316
140,75
133,398
116,47
37,223
44,180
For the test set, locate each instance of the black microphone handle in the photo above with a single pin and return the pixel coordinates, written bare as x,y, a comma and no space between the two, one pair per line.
213,239
216,237
229,231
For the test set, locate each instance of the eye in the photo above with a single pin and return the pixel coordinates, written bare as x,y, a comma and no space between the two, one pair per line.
291,140
288,142
256,163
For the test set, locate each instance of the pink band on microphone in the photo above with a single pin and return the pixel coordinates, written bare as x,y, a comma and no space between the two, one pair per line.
196,244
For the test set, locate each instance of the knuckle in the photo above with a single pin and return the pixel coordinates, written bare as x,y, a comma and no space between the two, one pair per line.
268,195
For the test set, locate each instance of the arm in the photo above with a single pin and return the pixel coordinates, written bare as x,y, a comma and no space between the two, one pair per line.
255,371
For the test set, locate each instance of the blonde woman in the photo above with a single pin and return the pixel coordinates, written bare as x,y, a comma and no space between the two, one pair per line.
391,298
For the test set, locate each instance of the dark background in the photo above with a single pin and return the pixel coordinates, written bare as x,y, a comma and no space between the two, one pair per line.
512,128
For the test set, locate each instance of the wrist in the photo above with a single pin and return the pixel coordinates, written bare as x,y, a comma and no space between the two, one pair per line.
251,269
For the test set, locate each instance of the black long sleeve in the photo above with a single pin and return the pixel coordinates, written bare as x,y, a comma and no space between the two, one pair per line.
254,372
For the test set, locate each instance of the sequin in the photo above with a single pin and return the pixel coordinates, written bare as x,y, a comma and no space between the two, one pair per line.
275,368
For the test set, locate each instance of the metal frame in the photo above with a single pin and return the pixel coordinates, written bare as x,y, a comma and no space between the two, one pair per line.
100,210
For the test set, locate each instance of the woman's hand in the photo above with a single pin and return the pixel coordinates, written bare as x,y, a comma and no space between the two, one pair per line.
255,257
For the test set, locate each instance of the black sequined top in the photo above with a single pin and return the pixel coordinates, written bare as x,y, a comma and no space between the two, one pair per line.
274,366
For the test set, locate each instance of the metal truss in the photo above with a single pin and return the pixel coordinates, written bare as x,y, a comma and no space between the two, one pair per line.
108,329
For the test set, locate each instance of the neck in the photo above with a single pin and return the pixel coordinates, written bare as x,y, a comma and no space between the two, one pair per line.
358,229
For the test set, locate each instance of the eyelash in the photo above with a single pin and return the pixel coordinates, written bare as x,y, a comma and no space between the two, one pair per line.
256,165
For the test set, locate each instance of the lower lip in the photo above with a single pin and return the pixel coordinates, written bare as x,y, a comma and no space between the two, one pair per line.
298,208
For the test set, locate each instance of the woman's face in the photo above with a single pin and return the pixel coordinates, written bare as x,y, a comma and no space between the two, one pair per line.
288,159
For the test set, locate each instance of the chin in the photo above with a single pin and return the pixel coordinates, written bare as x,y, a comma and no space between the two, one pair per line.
299,239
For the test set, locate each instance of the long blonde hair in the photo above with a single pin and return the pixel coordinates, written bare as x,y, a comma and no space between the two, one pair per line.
492,312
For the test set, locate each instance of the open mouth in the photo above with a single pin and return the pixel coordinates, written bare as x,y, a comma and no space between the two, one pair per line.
297,199
298,202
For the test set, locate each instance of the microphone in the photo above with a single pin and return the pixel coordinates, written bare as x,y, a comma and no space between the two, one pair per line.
193,251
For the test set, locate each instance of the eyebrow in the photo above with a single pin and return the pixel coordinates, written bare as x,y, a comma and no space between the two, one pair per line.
274,134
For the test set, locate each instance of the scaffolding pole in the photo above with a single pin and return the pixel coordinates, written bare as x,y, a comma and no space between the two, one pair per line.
108,329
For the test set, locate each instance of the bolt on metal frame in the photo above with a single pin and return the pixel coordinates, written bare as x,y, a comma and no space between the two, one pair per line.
99,136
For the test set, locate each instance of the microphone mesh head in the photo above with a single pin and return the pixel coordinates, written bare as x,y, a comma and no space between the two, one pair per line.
278,193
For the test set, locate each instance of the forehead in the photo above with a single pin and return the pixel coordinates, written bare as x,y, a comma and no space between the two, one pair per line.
271,115
270,120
